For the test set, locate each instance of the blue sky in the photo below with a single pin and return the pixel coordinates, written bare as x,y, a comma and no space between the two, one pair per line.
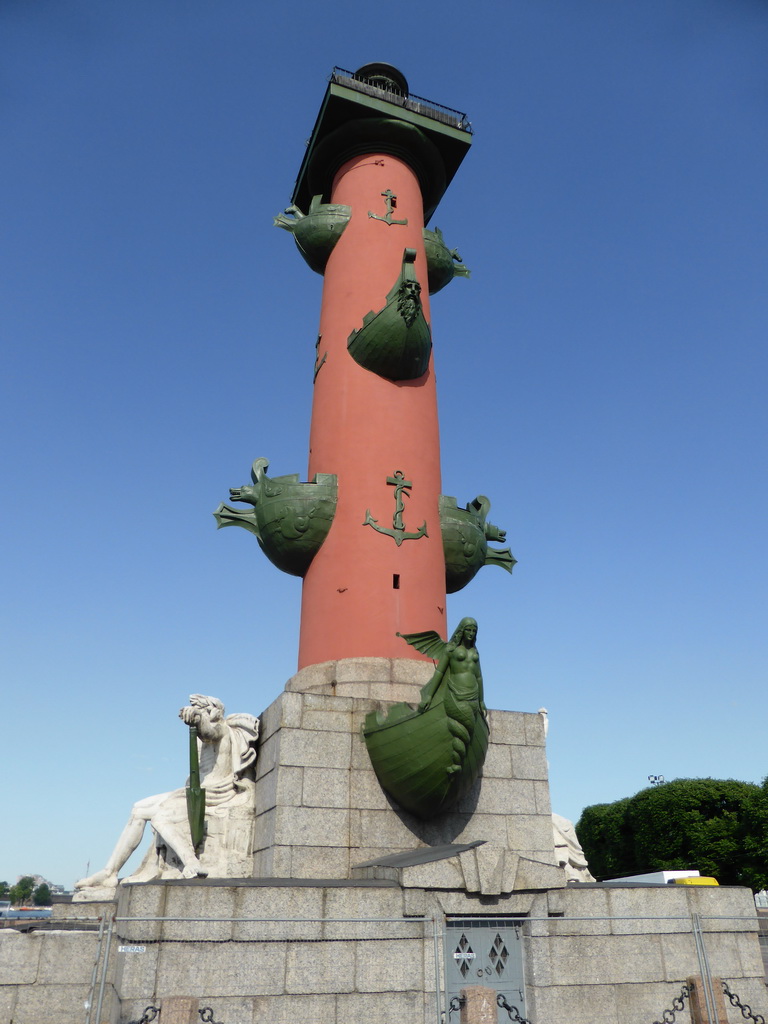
602,376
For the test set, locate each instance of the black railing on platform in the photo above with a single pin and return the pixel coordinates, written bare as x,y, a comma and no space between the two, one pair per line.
436,111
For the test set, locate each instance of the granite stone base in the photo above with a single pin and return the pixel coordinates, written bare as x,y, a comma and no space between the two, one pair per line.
346,916
321,811
257,951
387,679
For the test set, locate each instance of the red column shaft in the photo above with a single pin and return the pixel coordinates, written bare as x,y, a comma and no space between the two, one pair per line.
362,588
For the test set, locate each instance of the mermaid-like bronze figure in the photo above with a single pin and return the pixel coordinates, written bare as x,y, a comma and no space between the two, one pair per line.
457,682
428,758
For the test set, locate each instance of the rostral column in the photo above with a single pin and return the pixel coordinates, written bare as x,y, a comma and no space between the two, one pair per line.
365,531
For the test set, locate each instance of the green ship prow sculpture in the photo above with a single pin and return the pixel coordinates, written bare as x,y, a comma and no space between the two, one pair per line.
290,519
427,758
396,341
466,532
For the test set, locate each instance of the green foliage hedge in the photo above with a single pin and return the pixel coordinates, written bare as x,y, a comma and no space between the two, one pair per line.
719,826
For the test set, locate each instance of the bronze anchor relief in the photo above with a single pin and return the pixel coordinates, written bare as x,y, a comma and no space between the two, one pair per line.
391,200
398,533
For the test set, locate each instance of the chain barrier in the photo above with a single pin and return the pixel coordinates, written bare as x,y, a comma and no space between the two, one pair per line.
150,1013
252,942
514,1013
455,1004
746,1009
678,1004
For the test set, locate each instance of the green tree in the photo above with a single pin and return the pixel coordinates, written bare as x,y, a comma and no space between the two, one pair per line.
605,838
4,890
719,826
21,892
41,897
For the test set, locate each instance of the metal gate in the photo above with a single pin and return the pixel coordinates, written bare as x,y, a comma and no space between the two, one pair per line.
485,951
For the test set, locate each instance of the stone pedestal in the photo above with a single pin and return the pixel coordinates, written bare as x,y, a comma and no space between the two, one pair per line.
321,811
261,951
359,911
479,1006
699,1011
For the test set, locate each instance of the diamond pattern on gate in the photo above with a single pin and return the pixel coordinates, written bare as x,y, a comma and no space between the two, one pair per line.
463,954
499,955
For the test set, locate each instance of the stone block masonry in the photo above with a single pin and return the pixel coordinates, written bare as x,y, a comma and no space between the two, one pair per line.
48,976
259,950
316,952
320,808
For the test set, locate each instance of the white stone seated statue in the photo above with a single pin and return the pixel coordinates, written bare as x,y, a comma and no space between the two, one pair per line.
227,753
568,851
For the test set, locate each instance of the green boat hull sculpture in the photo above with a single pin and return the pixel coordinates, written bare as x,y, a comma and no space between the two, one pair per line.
466,533
427,758
443,264
290,519
396,341
316,232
